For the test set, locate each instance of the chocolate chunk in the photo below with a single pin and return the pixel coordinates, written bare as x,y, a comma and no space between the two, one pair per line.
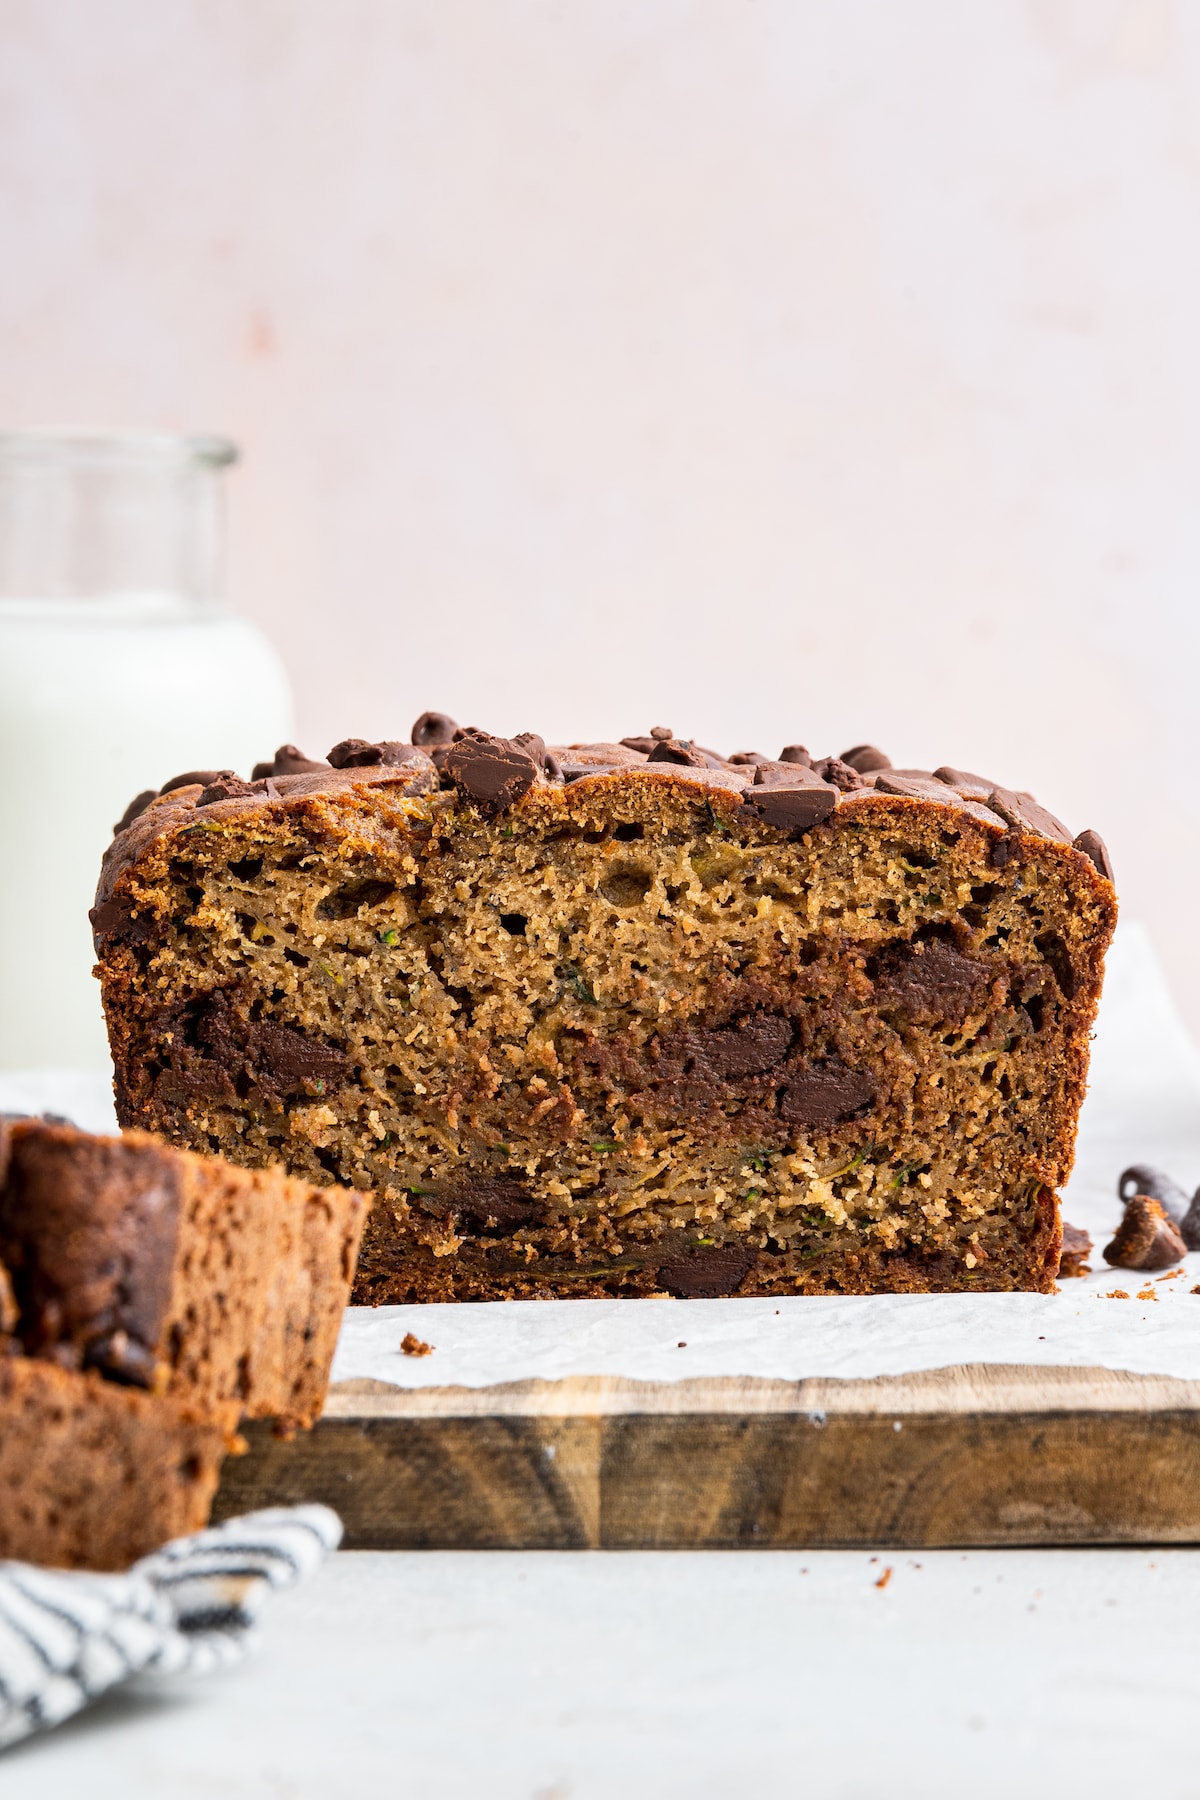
196,778
1076,1248
663,733
135,809
1146,1238
865,758
1023,813
795,753
116,919
912,784
753,1044
643,745
747,758
1093,847
357,753
798,806
229,787
489,1203
930,981
433,728
768,773
971,787
678,750
494,773
212,1044
825,1096
288,1059
839,774
1140,1178
88,1232
548,761
287,760
707,1274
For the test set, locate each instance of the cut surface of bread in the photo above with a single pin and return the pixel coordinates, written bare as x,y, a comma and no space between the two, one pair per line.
620,1019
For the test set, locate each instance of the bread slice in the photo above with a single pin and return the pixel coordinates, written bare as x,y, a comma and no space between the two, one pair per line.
176,1273
623,1018
92,1475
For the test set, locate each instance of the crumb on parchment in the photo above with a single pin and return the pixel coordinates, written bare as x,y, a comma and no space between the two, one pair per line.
412,1345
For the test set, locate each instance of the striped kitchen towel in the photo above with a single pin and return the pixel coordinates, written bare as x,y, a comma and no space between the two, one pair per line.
191,1607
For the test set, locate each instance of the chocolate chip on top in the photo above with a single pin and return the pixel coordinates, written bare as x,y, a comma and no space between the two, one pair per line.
433,728
491,772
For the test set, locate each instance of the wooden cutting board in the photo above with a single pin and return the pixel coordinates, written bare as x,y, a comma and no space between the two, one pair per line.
977,1455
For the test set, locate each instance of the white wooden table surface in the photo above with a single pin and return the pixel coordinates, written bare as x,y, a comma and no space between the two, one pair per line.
449,1676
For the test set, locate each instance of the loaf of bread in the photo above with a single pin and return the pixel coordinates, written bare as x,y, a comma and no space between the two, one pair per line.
611,1019
149,1299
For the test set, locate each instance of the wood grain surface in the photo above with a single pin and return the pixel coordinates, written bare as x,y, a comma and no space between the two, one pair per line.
980,1455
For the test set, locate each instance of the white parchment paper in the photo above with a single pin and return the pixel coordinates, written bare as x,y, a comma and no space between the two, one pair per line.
1143,1105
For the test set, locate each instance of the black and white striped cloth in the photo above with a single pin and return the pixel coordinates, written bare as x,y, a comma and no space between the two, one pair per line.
191,1607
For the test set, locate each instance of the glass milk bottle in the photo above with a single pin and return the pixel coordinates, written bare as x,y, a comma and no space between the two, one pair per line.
119,668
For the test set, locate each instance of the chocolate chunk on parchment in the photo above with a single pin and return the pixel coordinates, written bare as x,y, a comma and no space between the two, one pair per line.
752,1045
117,918
929,982
1189,1225
1076,1248
865,758
825,1096
1147,1238
707,1274
433,728
493,773
804,801
1093,846
1142,1178
795,753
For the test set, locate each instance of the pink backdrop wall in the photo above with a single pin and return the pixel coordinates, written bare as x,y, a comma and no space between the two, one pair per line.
791,369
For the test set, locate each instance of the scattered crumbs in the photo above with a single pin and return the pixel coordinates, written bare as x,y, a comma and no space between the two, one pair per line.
412,1345
884,1578
1172,1275
776,1312
1147,1293
1117,1294
872,1559
804,1571
682,1344
1041,1337
1195,1290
